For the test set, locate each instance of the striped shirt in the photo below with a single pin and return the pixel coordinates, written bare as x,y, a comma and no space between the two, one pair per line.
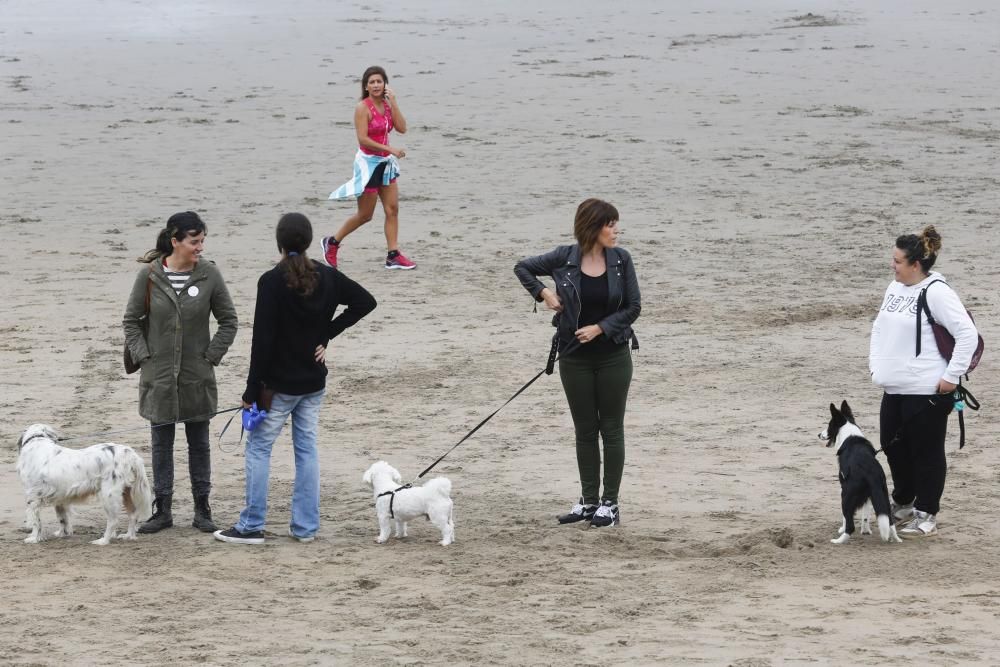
178,279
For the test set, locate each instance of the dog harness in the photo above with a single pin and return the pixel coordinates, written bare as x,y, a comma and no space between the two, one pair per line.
392,497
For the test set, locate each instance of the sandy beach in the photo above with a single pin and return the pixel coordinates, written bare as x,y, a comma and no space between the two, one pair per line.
763,155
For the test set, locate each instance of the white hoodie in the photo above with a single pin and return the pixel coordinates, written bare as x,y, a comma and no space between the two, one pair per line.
892,356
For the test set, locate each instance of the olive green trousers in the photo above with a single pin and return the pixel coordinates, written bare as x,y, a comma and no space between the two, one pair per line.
596,386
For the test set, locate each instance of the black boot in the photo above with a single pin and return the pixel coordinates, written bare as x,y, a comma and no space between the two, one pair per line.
162,518
203,515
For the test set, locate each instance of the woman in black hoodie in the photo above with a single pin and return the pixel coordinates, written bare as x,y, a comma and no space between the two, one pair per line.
293,323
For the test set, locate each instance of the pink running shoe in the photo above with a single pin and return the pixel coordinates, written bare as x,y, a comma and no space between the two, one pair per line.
330,251
400,261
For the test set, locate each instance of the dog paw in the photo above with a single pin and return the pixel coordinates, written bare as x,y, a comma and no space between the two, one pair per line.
127,536
381,540
842,539
101,542
32,539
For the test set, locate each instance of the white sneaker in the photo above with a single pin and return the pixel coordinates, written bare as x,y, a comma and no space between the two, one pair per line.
303,540
901,513
922,524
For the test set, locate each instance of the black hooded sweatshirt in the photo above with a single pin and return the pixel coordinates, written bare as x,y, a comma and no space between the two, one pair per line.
287,327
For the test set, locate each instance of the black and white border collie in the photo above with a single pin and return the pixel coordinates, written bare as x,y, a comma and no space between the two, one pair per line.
862,480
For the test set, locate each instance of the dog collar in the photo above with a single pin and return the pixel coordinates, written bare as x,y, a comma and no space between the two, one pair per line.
392,497
24,442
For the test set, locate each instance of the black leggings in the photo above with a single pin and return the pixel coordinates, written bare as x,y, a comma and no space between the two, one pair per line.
916,459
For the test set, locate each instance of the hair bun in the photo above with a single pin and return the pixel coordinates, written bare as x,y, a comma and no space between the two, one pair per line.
931,241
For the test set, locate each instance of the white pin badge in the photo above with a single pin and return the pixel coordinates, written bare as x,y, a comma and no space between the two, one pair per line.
193,290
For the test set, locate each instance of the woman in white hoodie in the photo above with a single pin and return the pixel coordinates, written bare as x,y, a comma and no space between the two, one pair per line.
918,388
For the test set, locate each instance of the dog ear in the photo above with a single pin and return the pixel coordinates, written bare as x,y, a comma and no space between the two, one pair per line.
396,477
846,410
367,477
833,410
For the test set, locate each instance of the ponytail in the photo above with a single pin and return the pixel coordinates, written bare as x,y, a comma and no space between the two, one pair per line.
163,247
294,234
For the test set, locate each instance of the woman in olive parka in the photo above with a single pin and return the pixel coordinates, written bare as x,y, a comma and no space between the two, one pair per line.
167,332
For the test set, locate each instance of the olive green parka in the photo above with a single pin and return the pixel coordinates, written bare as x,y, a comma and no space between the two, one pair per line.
177,352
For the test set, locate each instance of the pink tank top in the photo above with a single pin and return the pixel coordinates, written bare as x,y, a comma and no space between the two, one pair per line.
379,127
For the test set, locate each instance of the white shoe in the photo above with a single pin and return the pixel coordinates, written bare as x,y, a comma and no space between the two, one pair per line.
303,540
901,513
921,525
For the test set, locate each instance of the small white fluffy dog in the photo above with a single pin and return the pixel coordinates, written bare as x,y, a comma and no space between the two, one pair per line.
59,476
432,500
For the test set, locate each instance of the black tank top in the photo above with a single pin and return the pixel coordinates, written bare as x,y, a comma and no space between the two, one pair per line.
594,308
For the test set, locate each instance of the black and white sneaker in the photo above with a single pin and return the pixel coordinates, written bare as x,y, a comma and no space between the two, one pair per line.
580,512
236,537
606,515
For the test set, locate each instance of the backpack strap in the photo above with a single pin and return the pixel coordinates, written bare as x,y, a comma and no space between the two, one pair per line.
922,307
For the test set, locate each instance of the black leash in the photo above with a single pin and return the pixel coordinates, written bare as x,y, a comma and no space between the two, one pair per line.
548,370
964,396
554,355
199,418
478,426
968,401
223,432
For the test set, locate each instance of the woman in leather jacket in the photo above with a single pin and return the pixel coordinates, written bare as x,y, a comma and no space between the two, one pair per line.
596,299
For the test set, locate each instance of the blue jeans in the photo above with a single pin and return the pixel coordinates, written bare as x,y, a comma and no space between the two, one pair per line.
304,411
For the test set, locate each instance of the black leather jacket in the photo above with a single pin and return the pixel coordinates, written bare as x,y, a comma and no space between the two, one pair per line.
563,265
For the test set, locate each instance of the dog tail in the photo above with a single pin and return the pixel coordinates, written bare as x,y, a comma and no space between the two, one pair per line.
878,491
440,486
142,494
